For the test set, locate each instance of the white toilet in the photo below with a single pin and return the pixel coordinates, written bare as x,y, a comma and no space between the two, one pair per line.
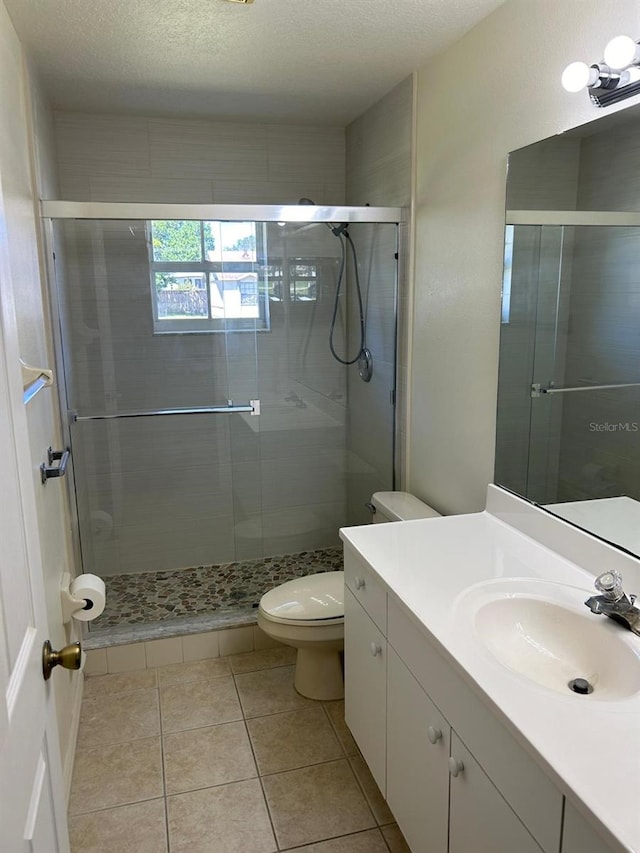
308,613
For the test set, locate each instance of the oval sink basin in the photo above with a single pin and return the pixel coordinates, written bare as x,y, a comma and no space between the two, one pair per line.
553,645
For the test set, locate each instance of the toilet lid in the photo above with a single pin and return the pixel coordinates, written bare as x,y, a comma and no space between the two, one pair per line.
310,598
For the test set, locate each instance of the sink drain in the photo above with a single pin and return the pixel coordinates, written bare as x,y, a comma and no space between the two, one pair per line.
580,686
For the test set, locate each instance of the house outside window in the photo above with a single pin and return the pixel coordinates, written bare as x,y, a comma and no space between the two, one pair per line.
207,276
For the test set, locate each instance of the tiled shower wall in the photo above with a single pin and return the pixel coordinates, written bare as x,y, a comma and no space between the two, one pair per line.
120,158
379,172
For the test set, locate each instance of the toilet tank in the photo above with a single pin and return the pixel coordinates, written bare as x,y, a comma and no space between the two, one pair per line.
399,506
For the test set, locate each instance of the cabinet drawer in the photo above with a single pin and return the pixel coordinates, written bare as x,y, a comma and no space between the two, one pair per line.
521,781
367,587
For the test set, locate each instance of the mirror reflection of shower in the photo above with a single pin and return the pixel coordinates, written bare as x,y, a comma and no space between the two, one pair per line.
363,357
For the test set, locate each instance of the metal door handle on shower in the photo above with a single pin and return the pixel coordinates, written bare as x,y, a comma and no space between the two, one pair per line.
48,469
252,408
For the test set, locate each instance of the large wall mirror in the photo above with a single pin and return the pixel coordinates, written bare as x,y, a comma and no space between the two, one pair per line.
568,425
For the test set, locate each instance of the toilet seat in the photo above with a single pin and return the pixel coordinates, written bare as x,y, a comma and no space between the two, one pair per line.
307,601
303,623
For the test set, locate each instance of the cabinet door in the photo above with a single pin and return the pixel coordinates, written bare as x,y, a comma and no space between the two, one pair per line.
480,819
365,686
578,835
418,738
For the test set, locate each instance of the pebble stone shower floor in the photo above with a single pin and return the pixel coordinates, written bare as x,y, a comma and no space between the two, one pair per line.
138,598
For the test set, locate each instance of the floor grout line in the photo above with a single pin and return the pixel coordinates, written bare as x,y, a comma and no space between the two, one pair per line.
334,837
259,777
117,806
163,768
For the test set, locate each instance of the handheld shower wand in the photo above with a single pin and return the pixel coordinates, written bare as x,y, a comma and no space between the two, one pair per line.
363,357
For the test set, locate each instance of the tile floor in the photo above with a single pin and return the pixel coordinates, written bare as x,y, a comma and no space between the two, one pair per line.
221,756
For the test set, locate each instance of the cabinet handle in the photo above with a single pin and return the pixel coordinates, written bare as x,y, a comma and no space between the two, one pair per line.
376,649
433,734
359,583
455,766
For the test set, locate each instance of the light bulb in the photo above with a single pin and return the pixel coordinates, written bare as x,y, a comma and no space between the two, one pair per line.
578,75
629,75
621,52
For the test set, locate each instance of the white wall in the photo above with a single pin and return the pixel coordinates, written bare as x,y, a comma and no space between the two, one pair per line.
25,156
495,90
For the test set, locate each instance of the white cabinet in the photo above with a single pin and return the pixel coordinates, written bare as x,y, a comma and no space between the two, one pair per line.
411,714
503,753
440,796
522,783
479,817
418,738
365,686
579,836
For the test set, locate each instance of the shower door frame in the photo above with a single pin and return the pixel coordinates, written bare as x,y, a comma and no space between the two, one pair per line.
296,213
289,213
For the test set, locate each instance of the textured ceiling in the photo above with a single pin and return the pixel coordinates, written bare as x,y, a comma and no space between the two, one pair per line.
302,61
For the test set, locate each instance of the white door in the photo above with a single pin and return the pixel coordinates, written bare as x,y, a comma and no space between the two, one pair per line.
31,800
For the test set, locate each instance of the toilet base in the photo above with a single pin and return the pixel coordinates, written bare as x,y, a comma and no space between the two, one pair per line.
319,674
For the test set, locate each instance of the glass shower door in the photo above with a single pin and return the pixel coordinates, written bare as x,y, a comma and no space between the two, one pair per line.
207,417
159,347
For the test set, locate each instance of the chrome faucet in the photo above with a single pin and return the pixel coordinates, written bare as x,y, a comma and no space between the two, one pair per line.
614,602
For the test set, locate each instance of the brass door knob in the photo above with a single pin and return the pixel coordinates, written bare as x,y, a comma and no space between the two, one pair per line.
70,657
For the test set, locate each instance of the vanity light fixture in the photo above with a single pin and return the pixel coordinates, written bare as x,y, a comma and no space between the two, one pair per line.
608,82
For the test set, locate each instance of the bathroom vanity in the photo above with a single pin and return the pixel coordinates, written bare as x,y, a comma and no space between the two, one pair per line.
461,636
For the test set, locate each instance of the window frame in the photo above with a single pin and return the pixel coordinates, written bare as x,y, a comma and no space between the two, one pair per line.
210,324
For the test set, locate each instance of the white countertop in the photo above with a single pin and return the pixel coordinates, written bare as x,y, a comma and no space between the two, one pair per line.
614,519
440,569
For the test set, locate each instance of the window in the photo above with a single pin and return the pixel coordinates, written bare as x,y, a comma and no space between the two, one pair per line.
506,275
302,275
207,276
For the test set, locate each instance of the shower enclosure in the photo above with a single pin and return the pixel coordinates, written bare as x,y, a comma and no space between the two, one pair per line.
215,451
